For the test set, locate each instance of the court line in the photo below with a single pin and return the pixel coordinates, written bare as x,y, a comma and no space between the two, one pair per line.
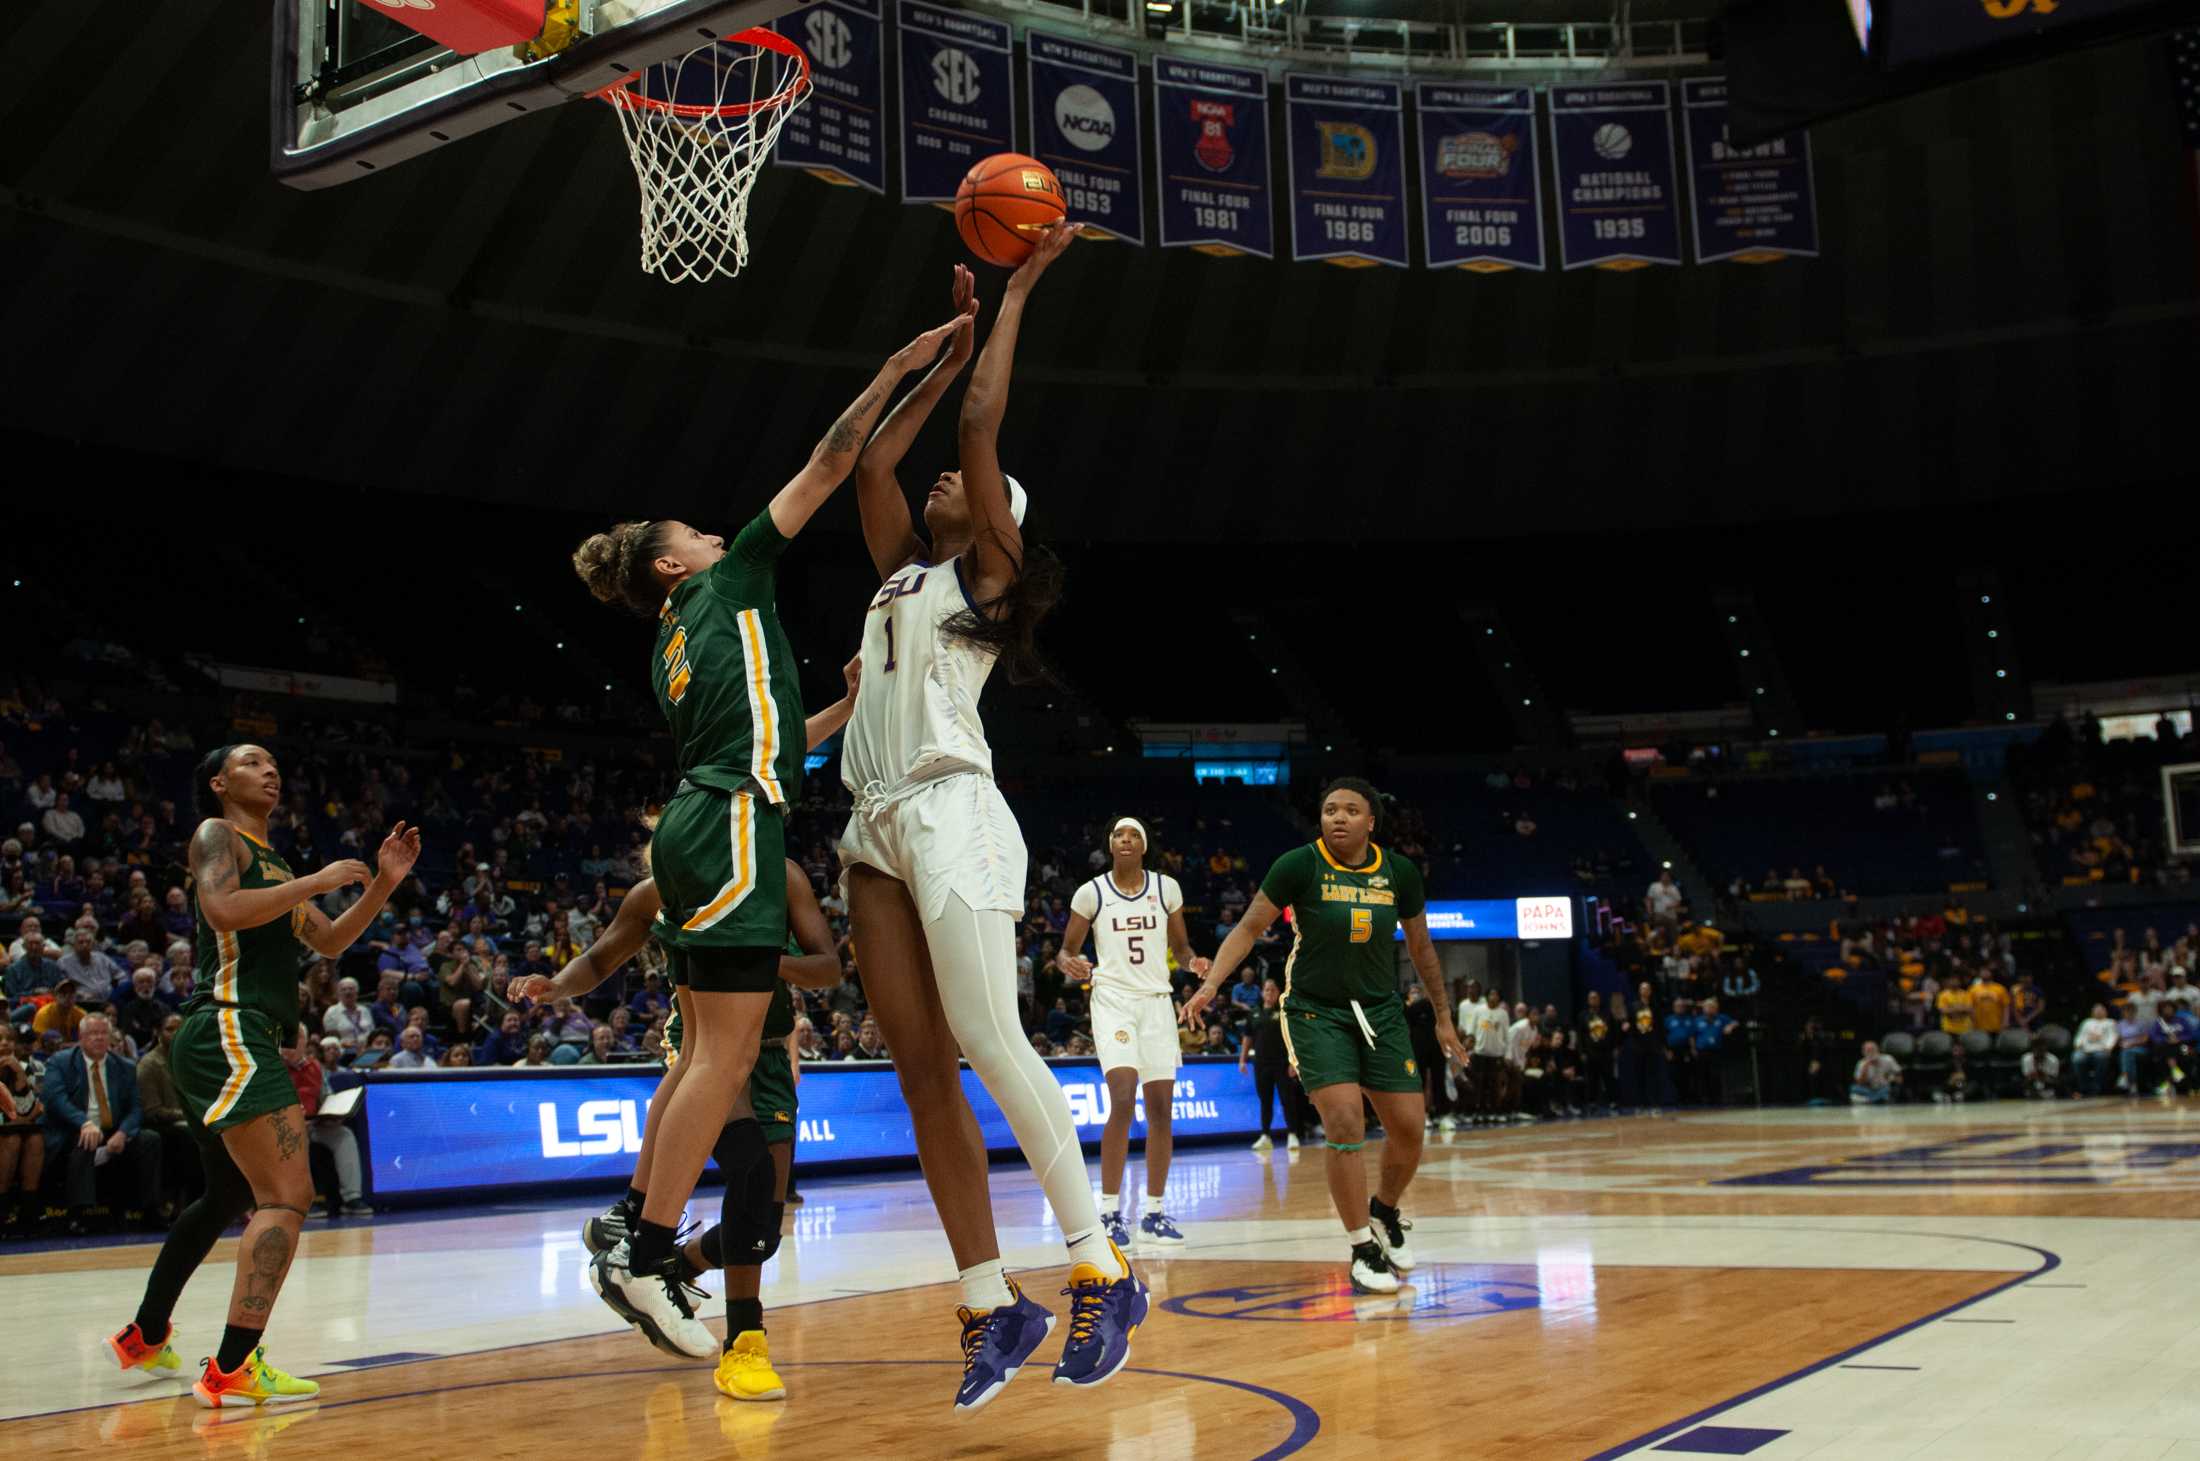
2049,1262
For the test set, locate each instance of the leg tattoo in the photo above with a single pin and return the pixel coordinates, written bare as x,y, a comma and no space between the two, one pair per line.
289,1140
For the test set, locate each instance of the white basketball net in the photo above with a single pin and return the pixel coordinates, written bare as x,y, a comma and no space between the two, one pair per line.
698,131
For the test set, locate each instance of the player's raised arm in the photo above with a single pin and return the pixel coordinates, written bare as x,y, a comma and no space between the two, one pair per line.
835,455
998,543
887,528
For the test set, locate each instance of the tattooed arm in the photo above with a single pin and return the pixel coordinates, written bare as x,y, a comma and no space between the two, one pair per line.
832,458
217,854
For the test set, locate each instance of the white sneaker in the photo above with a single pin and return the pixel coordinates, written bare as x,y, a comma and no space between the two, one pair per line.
1263,1144
1371,1271
1447,1123
660,1306
1291,1142
1391,1238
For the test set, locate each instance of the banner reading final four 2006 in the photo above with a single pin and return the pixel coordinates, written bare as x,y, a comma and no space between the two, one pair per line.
1084,125
958,98
839,133
1612,151
1481,190
1348,172
1211,123
1749,204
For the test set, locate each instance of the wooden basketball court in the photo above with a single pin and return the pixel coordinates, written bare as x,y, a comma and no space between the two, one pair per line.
1999,1281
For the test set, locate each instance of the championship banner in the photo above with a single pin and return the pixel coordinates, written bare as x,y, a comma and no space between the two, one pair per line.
1212,126
1481,187
958,98
1754,205
1084,125
1348,173
1612,150
838,134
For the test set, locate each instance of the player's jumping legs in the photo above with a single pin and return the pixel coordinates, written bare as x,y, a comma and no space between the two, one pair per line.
720,1050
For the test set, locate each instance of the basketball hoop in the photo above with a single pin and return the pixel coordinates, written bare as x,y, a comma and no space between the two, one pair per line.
698,130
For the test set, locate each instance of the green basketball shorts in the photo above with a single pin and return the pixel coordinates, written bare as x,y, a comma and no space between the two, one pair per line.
1330,1047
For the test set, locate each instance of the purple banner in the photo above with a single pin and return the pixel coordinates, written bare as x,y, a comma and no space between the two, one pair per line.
1211,130
1481,187
1753,205
839,133
1084,125
1612,154
1348,172
958,98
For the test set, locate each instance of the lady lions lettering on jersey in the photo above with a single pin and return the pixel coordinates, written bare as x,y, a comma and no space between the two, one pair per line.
1130,931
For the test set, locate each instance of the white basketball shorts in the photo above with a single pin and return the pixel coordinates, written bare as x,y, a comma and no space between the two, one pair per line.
1135,1030
953,836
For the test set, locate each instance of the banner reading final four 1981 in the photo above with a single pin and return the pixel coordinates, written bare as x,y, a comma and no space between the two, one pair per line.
958,98
839,133
1211,135
1084,125
1348,170
1481,187
1612,154
1750,204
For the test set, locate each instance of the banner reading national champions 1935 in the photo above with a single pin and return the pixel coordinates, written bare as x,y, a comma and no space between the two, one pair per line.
840,132
1750,204
1481,188
958,98
1348,174
1084,125
1612,153
1211,131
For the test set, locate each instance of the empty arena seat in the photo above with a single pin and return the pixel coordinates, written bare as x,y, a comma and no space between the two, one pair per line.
2057,1038
1898,1044
1745,825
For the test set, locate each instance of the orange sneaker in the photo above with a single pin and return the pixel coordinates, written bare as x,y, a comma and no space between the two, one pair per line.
139,1357
255,1382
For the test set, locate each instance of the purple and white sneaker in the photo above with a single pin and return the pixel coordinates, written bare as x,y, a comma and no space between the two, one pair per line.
995,1345
1105,1312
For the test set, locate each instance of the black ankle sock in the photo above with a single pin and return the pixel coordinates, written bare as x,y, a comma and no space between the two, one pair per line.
633,1200
649,1245
237,1347
742,1315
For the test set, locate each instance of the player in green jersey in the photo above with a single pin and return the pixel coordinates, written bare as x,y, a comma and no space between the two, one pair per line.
727,682
256,924
751,1211
1344,1024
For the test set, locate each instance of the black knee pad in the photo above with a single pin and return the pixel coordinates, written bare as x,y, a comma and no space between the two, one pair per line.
739,1151
749,1219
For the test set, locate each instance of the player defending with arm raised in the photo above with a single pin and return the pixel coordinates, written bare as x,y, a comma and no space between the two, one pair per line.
1343,1021
256,923
1131,913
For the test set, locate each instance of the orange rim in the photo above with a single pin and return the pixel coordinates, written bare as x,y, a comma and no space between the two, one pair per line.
620,93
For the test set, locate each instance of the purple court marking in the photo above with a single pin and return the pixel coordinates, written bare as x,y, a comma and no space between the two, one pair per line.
1722,1440
2049,1262
394,1357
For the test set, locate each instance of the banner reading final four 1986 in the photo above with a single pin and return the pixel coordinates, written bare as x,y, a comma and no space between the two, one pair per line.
958,98
1750,204
1481,189
1612,154
1084,125
839,133
1348,171
1211,132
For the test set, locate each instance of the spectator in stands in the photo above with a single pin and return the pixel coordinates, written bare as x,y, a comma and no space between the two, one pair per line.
347,1020
507,1044
175,917
380,1046
1954,1006
32,976
308,1078
93,1117
1664,899
2042,1072
389,1010
568,1024
22,1147
63,1015
63,827
140,1018
1488,1035
807,1046
2026,1003
2181,990
1680,1052
2133,1034
2093,1049
1712,1032
870,1042
1521,1039
1876,1077
93,971
601,1046
649,1000
1990,1002
412,1053
844,1045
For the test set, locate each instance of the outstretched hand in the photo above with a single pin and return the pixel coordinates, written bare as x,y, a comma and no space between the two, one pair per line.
399,851
966,306
921,351
1049,248
851,674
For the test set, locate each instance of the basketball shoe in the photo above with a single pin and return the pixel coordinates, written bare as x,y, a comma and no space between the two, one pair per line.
745,1370
255,1382
1155,1230
141,1360
1391,1227
1105,1312
1118,1229
609,1230
995,1345
1371,1271
661,1305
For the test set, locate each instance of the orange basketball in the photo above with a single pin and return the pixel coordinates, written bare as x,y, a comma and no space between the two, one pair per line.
1003,204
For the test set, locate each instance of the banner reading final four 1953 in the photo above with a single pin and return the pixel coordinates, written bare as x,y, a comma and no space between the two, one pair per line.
1211,131
1612,154
1750,204
1348,171
1481,189
1084,125
839,133
958,98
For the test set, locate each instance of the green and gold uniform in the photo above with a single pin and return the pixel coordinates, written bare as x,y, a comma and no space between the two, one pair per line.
730,687
771,1082
1343,1018
228,1056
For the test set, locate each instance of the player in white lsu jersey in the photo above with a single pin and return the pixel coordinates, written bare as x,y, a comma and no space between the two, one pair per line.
1136,917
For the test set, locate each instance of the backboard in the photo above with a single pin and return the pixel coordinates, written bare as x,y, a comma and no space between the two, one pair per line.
354,92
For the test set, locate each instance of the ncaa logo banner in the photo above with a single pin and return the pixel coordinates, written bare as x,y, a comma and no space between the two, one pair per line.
1348,173
958,98
1084,125
1481,186
1754,205
1612,152
1211,137
840,134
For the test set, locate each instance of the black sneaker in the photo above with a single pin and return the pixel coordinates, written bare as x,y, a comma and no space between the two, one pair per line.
1371,1271
615,1226
1390,1233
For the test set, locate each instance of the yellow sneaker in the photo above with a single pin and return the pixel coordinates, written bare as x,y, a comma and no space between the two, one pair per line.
142,1360
745,1371
255,1382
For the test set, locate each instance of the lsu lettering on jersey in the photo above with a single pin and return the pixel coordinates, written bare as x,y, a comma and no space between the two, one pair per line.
916,715
1130,932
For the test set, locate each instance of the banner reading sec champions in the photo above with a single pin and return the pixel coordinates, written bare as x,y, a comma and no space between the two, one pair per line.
1084,125
838,134
1481,187
1612,151
1753,205
1211,123
1348,174
958,98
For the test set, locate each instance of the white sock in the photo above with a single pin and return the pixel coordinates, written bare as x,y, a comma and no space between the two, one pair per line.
1095,1249
985,1286
1153,1203
1111,1203
1357,1236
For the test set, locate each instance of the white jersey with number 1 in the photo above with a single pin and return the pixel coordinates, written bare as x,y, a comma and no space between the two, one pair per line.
916,715
1130,932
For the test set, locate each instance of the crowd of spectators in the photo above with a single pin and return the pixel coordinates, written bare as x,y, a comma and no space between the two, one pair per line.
2093,806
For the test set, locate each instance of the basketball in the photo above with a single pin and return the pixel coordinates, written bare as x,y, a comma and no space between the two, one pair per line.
1003,204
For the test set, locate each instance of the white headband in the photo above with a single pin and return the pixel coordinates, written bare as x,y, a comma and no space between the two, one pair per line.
1134,824
1018,501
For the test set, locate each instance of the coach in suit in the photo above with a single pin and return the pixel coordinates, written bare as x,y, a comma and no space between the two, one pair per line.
93,1114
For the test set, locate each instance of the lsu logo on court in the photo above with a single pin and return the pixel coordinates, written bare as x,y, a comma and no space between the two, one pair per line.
1482,156
1348,151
